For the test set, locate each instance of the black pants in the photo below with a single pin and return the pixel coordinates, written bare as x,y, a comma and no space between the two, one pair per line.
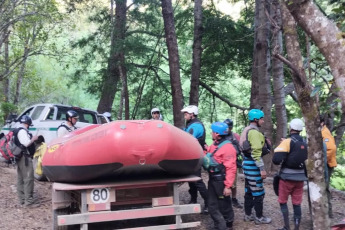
200,186
219,207
251,201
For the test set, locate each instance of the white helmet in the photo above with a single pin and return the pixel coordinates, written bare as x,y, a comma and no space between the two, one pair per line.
191,109
154,110
107,114
296,124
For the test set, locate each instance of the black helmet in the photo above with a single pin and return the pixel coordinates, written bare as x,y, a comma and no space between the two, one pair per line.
71,113
229,123
26,120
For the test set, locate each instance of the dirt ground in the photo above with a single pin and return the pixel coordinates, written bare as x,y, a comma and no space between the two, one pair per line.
13,216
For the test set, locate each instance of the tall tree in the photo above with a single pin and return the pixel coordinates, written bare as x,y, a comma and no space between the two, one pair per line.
174,62
197,51
116,61
310,109
261,70
326,36
278,73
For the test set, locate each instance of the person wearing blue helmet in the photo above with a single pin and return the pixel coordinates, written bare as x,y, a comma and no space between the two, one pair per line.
252,143
221,177
196,128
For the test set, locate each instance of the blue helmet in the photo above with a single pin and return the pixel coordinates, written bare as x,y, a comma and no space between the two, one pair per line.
255,114
220,127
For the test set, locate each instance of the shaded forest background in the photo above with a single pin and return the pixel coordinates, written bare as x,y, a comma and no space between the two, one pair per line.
126,57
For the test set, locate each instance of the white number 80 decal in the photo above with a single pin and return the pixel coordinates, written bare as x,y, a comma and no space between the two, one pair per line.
100,195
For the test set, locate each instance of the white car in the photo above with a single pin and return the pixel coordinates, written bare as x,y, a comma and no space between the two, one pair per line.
46,118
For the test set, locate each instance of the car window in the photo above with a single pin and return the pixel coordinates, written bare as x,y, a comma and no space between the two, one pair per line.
37,112
50,114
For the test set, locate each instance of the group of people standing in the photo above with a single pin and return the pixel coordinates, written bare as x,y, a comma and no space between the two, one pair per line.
227,147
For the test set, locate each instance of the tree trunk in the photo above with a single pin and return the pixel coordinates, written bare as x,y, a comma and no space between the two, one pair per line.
124,92
254,93
326,36
340,131
21,72
174,63
309,106
197,51
6,81
116,59
278,75
261,68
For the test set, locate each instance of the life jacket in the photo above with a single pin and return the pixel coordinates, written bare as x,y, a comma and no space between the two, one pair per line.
245,146
297,155
210,164
201,139
67,127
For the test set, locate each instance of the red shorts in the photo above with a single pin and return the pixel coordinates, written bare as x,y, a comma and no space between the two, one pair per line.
293,188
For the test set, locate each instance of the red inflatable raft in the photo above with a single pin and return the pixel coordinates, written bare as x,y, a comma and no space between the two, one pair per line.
119,149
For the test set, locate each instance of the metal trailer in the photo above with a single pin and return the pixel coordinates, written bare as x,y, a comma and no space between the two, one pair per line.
82,204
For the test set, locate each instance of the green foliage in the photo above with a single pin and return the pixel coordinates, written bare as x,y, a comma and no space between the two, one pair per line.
7,108
338,178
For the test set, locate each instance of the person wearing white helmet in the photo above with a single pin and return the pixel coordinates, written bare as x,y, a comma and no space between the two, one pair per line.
156,114
196,128
291,154
107,115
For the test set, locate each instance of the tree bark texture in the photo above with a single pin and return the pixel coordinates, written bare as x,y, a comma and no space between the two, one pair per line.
174,63
116,61
278,75
254,93
309,106
6,81
326,36
261,67
340,130
197,51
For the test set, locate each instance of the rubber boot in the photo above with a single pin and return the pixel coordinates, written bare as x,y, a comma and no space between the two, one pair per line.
297,222
229,225
286,221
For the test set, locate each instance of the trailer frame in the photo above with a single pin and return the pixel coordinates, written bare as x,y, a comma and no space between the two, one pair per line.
74,204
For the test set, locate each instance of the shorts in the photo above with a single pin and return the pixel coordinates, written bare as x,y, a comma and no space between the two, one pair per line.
293,188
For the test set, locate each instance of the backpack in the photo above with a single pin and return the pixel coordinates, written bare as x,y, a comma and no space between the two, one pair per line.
210,164
8,148
297,156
